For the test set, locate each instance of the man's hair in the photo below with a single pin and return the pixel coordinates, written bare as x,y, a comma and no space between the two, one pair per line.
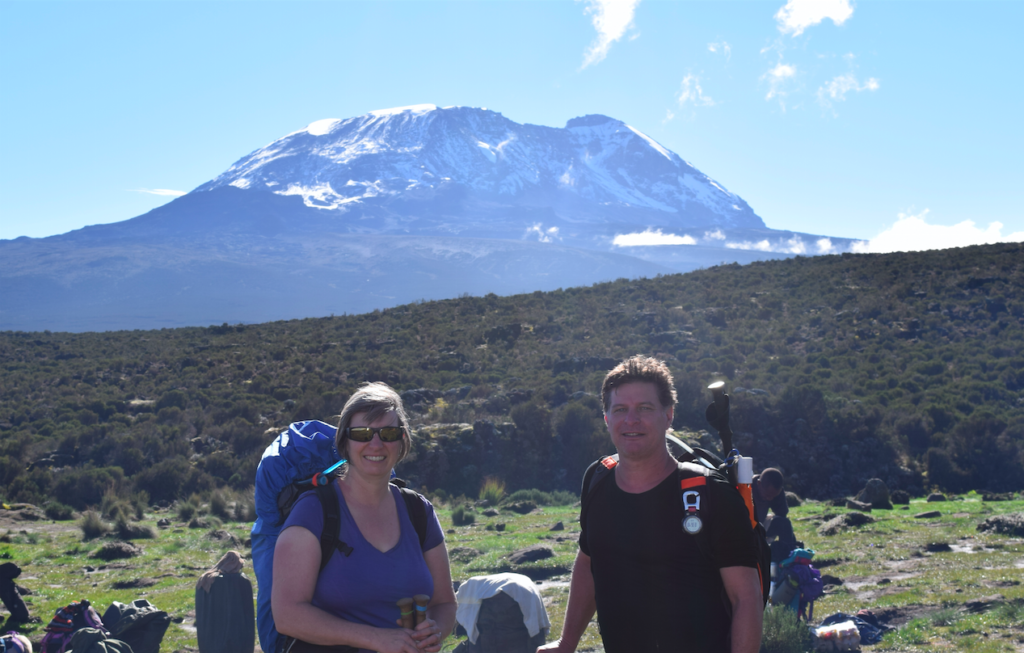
772,477
376,400
640,369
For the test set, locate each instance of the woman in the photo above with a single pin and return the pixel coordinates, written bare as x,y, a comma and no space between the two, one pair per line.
353,602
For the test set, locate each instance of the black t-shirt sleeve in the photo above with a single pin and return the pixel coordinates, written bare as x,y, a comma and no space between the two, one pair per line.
732,538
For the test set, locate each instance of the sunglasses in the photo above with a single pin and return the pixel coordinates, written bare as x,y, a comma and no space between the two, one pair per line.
365,433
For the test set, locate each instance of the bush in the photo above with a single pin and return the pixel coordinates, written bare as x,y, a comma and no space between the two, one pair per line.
538,497
493,490
563,498
783,632
58,511
114,507
245,510
219,505
93,526
186,510
127,530
463,516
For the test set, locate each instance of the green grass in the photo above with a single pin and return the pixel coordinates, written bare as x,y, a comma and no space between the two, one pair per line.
933,590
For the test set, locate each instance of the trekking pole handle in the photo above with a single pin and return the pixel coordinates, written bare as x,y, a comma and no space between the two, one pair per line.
421,607
407,613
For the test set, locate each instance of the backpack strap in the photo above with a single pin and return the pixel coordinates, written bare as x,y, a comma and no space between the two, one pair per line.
330,539
417,513
597,472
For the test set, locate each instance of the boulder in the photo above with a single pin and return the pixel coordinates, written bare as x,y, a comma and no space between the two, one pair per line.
936,496
900,497
843,522
531,554
116,550
793,500
875,493
490,512
1008,524
558,527
522,507
858,505
928,515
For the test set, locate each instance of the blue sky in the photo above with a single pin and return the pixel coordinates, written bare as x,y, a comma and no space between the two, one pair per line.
892,121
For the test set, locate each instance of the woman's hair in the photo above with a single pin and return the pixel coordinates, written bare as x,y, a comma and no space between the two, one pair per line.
375,400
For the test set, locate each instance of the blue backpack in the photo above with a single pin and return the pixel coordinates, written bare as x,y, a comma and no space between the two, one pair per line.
300,459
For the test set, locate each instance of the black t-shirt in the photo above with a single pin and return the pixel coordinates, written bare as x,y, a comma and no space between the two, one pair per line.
655,590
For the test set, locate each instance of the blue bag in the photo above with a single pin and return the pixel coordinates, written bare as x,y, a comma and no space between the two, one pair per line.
297,454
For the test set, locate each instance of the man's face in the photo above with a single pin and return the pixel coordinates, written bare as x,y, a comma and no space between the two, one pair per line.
636,420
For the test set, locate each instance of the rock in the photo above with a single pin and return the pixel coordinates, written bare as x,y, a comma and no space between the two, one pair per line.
936,496
937,547
522,507
558,527
224,536
876,494
983,604
928,515
828,579
499,527
491,512
164,523
464,553
900,497
793,500
134,584
1008,524
842,522
531,554
115,550
853,504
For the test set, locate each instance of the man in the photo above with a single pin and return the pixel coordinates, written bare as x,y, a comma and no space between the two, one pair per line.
646,577
768,494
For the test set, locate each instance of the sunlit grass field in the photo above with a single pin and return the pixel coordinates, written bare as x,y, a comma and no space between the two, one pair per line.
947,586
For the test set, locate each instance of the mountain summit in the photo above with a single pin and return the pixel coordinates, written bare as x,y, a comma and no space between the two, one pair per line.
461,167
398,205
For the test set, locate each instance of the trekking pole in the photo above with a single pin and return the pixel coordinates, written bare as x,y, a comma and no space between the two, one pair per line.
421,607
408,616
717,415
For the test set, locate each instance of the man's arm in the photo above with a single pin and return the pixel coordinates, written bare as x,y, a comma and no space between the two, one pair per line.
581,607
743,586
779,505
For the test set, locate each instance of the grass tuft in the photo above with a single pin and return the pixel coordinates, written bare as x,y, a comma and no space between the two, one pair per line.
492,490
92,525
462,515
783,632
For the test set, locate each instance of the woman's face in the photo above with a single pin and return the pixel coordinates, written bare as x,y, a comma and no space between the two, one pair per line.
374,458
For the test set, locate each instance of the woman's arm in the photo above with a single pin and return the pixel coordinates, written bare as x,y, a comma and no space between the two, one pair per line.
441,610
296,568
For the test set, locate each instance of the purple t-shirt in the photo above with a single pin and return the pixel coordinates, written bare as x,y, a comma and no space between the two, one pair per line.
364,586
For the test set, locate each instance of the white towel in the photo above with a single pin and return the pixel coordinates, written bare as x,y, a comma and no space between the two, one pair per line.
517,586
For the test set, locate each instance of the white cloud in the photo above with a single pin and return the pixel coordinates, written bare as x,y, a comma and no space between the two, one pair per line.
722,47
691,92
717,234
825,246
836,90
161,191
794,245
763,246
776,77
611,19
912,233
668,116
543,235
649,238
798,15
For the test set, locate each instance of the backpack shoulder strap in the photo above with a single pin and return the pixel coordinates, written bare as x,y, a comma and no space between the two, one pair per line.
417,512
330,537
597,472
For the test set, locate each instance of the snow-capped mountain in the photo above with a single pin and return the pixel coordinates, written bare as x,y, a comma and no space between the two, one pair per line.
469,167
399,205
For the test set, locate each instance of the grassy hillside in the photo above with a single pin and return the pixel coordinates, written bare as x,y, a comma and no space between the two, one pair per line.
909,367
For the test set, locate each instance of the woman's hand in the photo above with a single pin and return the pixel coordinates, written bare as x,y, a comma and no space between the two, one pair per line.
428,636
395,640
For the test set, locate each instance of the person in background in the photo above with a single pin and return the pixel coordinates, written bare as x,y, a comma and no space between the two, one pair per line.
351,605
652,587
225,621
769,495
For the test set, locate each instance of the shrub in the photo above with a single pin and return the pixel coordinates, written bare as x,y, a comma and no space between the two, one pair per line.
186,510
127,530
463,516
563,498
245,510
219,505
783,632
58,511
493,490
114,507
538,497
93,526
